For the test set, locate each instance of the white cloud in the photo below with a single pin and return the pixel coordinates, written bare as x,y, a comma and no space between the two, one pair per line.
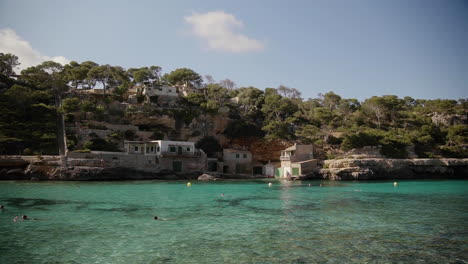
10,42
218,30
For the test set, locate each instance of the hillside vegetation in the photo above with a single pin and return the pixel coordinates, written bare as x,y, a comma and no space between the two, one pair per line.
263,120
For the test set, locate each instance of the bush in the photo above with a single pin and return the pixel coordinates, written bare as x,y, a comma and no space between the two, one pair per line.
129,135
100,145
394,145
27,151
82,151
157,135
359,140
334,140
96,126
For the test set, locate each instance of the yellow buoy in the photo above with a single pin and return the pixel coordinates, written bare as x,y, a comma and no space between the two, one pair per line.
189,184
395,184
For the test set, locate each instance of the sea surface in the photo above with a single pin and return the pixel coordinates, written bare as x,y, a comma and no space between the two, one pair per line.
289,222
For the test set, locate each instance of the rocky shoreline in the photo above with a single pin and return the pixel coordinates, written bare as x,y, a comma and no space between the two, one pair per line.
51,168
392,169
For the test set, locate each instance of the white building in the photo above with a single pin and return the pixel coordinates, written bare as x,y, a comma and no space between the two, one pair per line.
160,147
296,160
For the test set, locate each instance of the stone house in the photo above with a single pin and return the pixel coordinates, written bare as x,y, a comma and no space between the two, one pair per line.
237,161
296,160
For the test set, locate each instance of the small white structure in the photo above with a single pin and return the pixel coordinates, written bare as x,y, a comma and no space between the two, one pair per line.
296,160
151,90
160,148
141,148
169,147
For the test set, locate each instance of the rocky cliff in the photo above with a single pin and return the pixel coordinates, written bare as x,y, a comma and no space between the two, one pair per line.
380,169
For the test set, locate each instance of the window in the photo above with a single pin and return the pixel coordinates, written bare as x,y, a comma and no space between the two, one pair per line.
237,155
136,148
245,156
152,149
158,149
188,149
172,149
169,90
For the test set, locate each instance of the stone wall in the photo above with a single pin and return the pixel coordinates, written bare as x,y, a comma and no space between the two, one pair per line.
113,160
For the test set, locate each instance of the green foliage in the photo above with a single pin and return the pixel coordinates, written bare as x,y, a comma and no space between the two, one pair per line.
100,144
393,143
157,135
29,103
361,139
129,135
394,146
195,99
240,128
457,134
8,63
183,76
71,105
82,151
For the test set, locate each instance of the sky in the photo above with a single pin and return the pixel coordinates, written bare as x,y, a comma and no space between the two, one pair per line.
355,48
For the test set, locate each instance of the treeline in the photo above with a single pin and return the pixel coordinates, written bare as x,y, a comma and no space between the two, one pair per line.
432,128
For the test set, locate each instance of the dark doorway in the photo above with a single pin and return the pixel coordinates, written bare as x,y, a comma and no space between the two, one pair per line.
212,166
258,170
177,166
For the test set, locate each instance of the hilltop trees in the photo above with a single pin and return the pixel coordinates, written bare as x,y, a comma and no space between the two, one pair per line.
183,76
31,110
8,63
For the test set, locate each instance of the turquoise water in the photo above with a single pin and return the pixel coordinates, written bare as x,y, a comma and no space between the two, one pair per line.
290,222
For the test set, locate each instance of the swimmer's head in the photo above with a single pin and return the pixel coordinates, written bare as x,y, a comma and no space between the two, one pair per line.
155,218
1,206
24,217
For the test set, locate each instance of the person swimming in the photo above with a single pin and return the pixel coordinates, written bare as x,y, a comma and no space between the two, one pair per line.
2,207
162,219
25,217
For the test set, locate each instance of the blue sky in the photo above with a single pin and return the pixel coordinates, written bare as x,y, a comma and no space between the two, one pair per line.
355,48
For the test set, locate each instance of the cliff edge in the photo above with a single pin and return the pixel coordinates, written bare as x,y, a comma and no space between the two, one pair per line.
387,169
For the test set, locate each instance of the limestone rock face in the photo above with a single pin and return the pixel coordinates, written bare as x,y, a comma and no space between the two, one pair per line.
207,177
381,169
449,120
